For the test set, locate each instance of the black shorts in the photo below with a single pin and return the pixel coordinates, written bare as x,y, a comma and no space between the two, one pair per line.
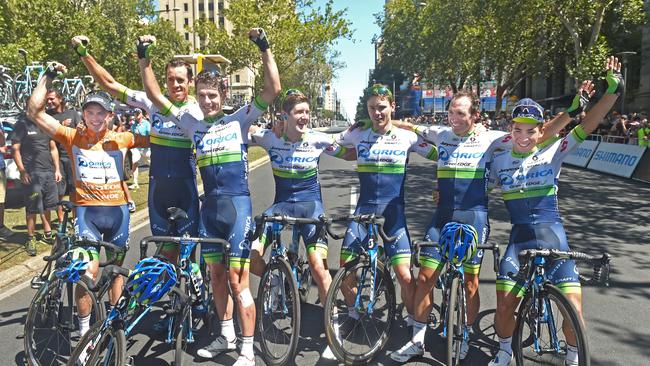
42,193
66,185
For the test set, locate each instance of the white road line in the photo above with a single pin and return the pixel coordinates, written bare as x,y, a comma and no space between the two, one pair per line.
353,199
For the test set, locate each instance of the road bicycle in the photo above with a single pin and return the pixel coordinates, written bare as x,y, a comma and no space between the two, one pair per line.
453,307
6,89
360,306
285,283
50,325
74,90
25,82
545,310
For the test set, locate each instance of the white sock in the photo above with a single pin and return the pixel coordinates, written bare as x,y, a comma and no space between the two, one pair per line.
228,330
135,176
352,313
335,325
571,355
247,347
409,320
419,330
506,344
84,324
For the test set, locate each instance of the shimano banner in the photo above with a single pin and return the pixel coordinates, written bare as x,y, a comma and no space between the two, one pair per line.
617,159
580,156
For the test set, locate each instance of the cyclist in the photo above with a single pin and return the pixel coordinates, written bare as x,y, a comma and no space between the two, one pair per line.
98,155
528,174
172,171
294,159
464,153
382,154
221,147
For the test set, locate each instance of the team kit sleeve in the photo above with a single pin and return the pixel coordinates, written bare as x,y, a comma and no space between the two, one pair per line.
331,147
249,113
64,135
136,99
568,143
263,138
429,133
424,149
346,138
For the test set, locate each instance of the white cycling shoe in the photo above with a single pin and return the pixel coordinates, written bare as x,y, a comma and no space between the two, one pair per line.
328,354
243,360
218,346
502,358
407,352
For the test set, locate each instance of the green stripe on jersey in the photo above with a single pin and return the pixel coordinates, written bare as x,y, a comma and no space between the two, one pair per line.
463,173
166,141
301,174
381,168
529,192
219,158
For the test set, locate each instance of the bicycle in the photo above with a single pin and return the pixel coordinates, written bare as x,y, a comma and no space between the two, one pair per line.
453,307
6,89
286,279
25,82
51,316
544,308
74,90
362,296
180,328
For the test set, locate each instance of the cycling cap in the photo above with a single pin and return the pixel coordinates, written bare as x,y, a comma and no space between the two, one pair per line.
150,280
458,242
528,111
100,98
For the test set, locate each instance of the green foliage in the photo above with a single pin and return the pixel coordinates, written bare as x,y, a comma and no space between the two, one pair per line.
44,28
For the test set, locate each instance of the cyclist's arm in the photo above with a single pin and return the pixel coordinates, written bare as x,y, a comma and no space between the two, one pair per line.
36,107
272,85
55,159
425,149
605,104
102,76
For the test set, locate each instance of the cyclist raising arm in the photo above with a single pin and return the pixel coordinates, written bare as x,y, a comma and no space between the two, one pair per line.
100,201
221,147
528,174
172,180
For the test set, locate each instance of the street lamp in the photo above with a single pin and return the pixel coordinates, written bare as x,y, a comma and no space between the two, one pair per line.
169,10
625,55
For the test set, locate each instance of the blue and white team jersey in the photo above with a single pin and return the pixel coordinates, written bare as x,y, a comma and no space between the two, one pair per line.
463,165
222,147
382,159
171,147
529,181
295,164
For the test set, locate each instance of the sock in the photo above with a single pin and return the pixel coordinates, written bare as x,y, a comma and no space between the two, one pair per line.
354,314
409,320
505,344
419,329
228,330
84,324
571,355
335,323
247,347
135,176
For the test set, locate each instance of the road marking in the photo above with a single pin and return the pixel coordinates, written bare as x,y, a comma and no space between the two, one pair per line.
353,199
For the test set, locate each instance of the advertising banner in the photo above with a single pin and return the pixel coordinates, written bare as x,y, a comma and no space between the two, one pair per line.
617,159
581,155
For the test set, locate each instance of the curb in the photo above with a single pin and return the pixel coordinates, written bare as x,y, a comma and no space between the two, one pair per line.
18,277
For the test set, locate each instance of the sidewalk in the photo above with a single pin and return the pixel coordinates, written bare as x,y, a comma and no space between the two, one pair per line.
19,276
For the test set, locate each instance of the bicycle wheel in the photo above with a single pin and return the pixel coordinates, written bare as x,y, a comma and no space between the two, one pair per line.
182,326
305,279
51,322
21,91
101,345
278,313
455,321
538,333
357,333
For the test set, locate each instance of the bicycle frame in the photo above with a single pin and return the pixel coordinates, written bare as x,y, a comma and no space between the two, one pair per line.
444,283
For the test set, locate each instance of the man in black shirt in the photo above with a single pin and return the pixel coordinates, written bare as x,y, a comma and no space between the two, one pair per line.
69,118
37,160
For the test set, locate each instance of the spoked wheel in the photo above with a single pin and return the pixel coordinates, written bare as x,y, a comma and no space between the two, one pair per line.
357,332
304,279
546,327
21,91
182,329
278,313
455,317
101,345
51,328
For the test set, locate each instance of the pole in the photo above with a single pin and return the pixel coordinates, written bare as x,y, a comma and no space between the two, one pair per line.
624,86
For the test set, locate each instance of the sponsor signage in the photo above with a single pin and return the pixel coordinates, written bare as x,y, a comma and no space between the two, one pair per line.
580,156
617,159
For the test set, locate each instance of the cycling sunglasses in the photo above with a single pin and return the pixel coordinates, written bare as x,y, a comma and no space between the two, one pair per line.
527,114
380,90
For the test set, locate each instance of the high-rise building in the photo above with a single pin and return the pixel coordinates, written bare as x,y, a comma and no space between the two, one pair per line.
183,13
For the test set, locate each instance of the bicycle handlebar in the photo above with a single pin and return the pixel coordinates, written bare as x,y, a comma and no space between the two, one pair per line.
110,272
261,220
370,219
598,262
494,247
80,242
144,243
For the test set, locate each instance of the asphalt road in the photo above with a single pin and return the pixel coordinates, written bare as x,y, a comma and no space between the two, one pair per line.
601,212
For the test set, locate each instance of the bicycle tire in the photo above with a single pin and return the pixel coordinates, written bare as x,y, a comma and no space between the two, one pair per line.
306,279
335,318
182,323
52,341
99,340
455,319
21,91
523,346
273,320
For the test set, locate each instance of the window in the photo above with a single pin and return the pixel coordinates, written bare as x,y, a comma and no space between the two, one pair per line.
211,6
201,8
187,21
211,19
186,7
237,78
187,36
222,22
220,5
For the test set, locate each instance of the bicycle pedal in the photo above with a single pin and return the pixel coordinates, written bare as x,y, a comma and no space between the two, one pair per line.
37,282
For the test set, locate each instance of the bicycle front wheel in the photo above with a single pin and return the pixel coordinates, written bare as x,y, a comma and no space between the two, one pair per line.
359,312
52,322
545,326
455,321
304,278
278,313
101,345
182,326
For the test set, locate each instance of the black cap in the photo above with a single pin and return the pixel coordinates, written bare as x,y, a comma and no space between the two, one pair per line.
100,98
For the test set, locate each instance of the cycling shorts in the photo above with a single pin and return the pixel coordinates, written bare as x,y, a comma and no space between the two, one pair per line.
107,223
399,251
562,273
42,193
310,233
173,192
430,257
229,218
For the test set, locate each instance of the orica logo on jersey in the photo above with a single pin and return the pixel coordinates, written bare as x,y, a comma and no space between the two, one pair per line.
444,155
157,122
364,152
533,175
203,142
275,157
506,179
82,162
301,159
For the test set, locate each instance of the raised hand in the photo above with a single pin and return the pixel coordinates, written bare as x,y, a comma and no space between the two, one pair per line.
145,44
581,100
80,44
615,82
258,36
